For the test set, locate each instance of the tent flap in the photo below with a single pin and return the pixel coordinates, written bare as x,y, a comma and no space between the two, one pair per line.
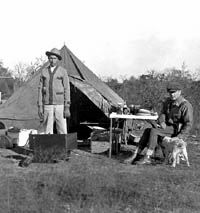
93,95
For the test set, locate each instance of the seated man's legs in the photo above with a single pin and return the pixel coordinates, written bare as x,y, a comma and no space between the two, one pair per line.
141,145
149,140
144,140
152,141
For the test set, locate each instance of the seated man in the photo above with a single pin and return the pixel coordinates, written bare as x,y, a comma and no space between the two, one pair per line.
175,120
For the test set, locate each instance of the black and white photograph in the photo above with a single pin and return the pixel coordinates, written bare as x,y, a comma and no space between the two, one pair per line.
100,106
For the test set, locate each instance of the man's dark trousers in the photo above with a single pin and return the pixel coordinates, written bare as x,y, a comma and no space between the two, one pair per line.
152,137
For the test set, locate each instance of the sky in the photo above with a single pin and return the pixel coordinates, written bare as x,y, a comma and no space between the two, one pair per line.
114,38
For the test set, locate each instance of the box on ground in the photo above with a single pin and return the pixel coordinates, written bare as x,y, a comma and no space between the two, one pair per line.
100,141
48,147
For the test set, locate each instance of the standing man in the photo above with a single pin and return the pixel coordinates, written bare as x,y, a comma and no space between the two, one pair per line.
175,120
54,95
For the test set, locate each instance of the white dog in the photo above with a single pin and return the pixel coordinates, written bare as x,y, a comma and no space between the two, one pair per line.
179,151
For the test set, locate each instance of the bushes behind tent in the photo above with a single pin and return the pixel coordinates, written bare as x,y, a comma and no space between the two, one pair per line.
150,89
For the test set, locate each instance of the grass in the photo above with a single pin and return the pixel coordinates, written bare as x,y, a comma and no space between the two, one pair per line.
93,183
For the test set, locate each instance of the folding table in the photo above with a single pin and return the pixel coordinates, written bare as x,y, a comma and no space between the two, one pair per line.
126,116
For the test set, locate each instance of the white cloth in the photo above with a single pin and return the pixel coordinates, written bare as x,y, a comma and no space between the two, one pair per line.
24,136
54,113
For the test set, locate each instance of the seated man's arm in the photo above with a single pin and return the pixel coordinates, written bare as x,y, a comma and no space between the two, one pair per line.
187,117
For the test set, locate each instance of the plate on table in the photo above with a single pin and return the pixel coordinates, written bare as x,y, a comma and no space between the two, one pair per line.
146,111
143,114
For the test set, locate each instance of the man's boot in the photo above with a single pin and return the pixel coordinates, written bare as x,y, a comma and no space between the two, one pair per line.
146,159
132,157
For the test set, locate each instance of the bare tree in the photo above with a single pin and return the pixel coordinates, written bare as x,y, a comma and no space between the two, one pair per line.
23,72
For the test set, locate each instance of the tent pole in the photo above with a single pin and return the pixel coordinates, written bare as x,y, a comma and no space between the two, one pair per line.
110,150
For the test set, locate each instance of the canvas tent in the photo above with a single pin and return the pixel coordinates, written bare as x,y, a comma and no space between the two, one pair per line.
91,98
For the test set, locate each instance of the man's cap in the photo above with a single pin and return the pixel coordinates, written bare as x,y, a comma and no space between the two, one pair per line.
173,87
55,52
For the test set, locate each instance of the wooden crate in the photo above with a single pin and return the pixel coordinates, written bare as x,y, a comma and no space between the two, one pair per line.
50,147
100,142
99,146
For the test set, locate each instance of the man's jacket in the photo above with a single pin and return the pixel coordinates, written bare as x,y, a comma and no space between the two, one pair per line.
54,87
178,114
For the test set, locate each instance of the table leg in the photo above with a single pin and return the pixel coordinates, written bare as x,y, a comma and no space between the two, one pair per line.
110,150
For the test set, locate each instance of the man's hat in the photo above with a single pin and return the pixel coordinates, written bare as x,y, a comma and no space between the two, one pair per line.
55,52
173,87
